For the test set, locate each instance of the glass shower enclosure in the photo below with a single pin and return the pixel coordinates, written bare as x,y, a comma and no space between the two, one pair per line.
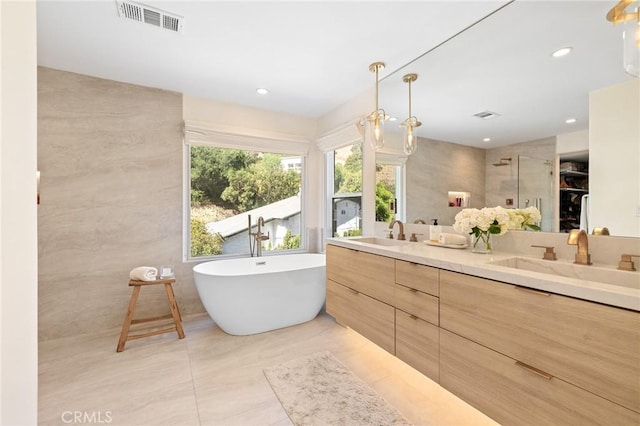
536,188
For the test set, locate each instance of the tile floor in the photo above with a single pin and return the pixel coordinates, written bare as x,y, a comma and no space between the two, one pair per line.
211,378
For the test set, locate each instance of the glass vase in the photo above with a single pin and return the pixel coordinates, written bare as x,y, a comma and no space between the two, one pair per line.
482,243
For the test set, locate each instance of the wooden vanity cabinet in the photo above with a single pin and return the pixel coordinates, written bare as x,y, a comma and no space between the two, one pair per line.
367,273
360,294
420,277
592,346
520,355
417,344
414,302
417,317
371,318
515,394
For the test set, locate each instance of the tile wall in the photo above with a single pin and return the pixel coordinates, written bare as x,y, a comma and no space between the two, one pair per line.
436,168
111,161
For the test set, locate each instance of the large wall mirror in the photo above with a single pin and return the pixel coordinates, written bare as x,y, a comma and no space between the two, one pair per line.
503,66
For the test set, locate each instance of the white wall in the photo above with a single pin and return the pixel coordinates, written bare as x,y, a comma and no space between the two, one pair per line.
614,155
18,219
572,142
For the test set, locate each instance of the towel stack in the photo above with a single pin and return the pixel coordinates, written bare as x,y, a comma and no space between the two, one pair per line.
452,239
144,273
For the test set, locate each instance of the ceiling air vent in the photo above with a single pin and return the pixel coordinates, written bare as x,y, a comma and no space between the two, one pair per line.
486,115
150,15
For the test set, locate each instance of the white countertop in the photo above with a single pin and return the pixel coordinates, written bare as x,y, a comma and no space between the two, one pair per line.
466,262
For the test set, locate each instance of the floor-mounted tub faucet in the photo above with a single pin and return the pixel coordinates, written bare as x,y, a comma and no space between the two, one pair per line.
260,237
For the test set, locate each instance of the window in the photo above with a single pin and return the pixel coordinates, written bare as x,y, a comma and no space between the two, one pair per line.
344,187
386,199
231,188
390,196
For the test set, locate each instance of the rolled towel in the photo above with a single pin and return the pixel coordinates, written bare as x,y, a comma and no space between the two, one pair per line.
144,273
452,239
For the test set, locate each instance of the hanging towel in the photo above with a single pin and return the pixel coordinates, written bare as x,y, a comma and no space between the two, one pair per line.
144,273
452,239
584,213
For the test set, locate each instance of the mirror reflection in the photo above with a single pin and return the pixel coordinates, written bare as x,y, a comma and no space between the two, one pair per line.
546,114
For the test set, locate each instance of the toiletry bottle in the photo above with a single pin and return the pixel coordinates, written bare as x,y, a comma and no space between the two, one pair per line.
434,231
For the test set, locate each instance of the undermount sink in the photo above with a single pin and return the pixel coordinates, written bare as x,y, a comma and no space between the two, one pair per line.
378,241
606,275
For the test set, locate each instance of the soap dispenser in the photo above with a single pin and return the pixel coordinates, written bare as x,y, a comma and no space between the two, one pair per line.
434,231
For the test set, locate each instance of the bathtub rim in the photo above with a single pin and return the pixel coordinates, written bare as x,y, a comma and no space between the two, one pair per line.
197,269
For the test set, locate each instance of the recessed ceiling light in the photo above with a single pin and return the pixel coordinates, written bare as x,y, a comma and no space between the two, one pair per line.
570,120
393,118
486,140
562,52
262,91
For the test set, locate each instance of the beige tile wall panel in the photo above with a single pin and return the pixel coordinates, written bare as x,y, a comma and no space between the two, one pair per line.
594,346
514,395
436,168
367,273
419,277
417,344
369,317
111,161
414,302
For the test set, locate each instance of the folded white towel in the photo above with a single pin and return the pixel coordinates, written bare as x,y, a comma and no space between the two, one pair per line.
452,239
144,273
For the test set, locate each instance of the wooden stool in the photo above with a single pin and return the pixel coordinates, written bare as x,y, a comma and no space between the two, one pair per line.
128,320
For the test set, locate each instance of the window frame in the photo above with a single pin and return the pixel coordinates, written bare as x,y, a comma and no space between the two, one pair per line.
188,143
330,193
400,161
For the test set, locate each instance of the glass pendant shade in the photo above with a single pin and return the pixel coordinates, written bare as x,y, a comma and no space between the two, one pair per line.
411,124
374,131
374,126
409,136
631,46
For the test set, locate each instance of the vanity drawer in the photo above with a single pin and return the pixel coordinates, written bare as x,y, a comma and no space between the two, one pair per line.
367,273
419,277
593,346
514,394
417,303
417,344
372,319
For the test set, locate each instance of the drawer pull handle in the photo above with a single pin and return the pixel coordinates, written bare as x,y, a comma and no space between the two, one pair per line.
534,370
413,317
413,290
353,291
534,291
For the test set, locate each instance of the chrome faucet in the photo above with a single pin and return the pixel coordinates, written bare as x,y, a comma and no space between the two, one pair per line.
579,238
400,232
259,236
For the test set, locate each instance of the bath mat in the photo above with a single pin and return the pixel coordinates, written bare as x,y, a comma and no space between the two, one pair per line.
319,390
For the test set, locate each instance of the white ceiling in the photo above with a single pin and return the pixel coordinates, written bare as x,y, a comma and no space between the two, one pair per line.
314,57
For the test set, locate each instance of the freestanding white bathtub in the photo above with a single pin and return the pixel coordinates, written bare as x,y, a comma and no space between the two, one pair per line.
258,294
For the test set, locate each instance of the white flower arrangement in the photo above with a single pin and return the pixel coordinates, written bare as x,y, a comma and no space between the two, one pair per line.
495,220
524,218
491,220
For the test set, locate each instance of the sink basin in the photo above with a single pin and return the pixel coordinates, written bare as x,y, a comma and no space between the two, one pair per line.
378,241
606,275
